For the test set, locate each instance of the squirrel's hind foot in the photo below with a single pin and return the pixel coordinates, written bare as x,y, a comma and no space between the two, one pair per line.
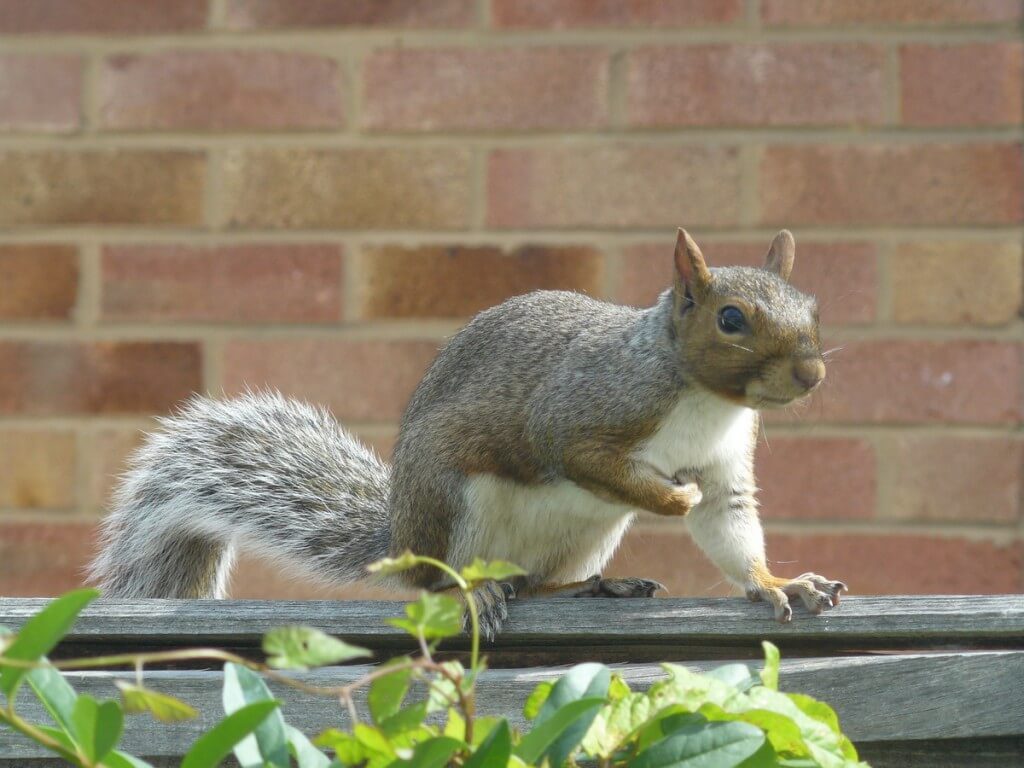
817,593
596,586
491,600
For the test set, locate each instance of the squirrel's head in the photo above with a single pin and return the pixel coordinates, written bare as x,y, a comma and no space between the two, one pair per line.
745,333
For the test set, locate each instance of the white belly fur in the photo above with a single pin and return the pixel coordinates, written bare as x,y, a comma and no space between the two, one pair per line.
700,430
557,531
563,533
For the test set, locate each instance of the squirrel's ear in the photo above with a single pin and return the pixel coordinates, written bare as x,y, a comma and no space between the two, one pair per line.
691,271
781,254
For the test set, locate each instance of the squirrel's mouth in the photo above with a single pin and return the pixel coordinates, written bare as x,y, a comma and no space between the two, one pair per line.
777,402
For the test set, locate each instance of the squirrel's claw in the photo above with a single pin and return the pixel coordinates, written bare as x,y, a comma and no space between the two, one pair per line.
816,592
492,607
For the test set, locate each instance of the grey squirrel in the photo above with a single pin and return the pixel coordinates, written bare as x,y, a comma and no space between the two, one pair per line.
538,434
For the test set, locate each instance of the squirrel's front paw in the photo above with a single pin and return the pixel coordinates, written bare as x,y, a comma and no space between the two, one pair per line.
817,592
685,497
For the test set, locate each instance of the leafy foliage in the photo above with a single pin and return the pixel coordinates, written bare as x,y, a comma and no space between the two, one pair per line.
305,647
422,712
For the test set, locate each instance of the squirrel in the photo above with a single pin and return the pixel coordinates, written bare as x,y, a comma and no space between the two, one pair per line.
541,430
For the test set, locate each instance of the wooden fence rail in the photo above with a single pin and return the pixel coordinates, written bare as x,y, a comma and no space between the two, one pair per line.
936,681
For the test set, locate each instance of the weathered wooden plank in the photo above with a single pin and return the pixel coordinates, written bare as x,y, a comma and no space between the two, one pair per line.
945,753
879,698
567,630
939,753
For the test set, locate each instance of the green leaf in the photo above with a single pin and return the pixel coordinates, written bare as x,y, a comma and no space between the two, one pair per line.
433,753
536,699
537,742
580,682
823,713
388,692
41,634
305,647
56,695
346,746
496,570
821,741
98,726
455,725
388,565
122,760
706,745
214,745
59,736
306,755
782,733
736,675
494,751
615,723
432,616
482,727
162,707
405,720
618,688
442,692
373,740
770,673
268,743
819,710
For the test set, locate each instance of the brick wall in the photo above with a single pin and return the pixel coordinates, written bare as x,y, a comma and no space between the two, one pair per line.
313,195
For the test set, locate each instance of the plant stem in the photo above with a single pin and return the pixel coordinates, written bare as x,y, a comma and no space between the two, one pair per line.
474,656
27,729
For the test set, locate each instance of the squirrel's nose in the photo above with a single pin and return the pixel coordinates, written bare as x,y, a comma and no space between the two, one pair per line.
809,372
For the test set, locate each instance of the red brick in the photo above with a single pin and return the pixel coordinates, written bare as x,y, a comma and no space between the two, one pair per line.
959,479
461,281
560,14
109,449
412,89
43,559
906,185
356,188
274,14
902,564
228,284
756,85
971,84
872,564
843,275
360,380
37,469
903,382
220,90
40,282
948,282
101,16
816,12
614,186
57,187
40,93
50,378
816,478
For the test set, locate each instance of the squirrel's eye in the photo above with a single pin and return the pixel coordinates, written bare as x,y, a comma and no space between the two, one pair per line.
731,320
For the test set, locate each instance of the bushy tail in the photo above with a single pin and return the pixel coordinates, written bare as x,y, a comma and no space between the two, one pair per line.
259,473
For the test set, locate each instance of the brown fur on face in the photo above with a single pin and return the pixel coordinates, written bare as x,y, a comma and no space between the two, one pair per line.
776,357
